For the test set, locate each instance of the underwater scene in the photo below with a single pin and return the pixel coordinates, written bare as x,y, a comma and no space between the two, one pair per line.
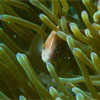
49,49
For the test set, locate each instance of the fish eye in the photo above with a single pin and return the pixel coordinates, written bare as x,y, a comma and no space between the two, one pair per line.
57,50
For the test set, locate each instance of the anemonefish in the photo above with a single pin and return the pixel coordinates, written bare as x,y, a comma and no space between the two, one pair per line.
51,47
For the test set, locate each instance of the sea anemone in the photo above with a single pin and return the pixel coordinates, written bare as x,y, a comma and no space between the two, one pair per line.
49,49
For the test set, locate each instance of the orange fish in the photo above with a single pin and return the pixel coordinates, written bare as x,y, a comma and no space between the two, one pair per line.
51,47
57,52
